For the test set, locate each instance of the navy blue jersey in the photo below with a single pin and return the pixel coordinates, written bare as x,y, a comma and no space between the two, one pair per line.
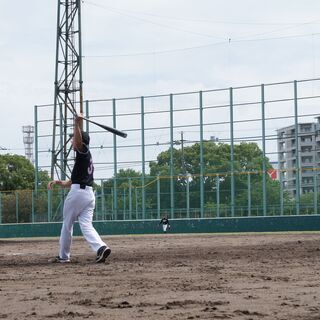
164,221
82,172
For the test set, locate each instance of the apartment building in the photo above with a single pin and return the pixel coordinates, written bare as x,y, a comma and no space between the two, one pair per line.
299,151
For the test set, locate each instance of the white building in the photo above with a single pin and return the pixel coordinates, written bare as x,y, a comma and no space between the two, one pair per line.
299,157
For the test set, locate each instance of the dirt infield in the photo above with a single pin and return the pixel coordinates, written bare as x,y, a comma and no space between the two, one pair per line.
266,276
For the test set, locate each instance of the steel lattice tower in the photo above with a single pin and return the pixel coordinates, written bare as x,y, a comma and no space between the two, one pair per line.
68,83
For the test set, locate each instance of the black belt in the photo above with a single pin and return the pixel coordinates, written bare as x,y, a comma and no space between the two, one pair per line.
82,185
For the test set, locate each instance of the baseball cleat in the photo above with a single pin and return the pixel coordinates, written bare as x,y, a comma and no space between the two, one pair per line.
57,259
102,254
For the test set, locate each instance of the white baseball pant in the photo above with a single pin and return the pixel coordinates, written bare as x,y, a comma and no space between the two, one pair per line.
79,205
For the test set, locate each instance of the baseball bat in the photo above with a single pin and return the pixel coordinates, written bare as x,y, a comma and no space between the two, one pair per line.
113,130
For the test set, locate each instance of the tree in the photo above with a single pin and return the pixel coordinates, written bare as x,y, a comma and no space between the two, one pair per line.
216,160
123,189
17,176
16,172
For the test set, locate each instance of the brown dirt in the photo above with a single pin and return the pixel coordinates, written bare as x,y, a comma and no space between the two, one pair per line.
166,276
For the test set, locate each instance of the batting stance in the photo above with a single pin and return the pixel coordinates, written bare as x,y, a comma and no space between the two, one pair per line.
80,202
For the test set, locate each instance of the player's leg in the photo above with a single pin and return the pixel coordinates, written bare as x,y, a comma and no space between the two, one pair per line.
70,212
89,232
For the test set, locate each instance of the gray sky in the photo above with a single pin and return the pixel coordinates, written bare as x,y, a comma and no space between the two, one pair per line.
137,47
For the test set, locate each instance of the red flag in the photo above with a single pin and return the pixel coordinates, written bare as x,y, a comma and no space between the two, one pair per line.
272,174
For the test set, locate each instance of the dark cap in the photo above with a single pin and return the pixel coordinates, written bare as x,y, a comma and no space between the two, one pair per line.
85,137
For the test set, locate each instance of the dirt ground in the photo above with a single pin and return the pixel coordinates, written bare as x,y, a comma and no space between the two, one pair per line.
166,276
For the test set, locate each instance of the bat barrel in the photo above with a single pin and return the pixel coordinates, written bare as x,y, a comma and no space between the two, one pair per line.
110,129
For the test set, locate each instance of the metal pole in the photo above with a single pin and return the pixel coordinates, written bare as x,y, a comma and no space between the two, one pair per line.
136,197
112,202
49,205
124,203
264,180
32,204
218,194
87,115
158,196
17,206
281,192
103,209
232,155
143,161
115,162
315,192
249,194
201,157
130,199
296,133
188,196
36,158
172,208
80,57
0,207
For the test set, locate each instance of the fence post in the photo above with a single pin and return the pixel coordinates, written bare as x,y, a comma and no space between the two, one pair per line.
232,154
103,209
218,194
281,192
36,158
188,195
158,196
32,204
143,191
315,192
264,181
296,136
0,207
249,194
49,204
171,159
136,197
124,203
201,156
115,163
17,206
130,199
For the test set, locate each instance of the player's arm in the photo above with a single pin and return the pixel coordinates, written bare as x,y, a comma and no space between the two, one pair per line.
61,183
77,137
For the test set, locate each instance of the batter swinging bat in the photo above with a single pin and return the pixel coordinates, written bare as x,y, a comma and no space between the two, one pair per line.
113,130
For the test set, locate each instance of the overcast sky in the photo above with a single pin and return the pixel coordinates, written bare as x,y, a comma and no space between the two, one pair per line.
140,47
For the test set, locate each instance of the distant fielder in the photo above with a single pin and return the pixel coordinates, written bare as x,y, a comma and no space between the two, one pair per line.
80,202
165,223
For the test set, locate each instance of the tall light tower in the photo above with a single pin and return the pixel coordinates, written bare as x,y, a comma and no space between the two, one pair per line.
68,83
28,139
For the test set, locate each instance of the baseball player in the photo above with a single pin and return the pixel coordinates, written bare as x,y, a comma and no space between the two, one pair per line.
165,223
80,202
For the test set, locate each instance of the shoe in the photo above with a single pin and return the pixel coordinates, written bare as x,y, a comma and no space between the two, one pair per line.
102,254
57,259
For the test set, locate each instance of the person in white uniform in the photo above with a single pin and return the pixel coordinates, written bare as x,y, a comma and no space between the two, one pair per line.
80,201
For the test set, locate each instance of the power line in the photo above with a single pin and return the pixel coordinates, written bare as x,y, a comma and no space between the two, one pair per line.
202,20
168,51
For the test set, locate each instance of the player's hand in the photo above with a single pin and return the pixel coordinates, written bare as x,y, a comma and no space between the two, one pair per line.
79,118
51,184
